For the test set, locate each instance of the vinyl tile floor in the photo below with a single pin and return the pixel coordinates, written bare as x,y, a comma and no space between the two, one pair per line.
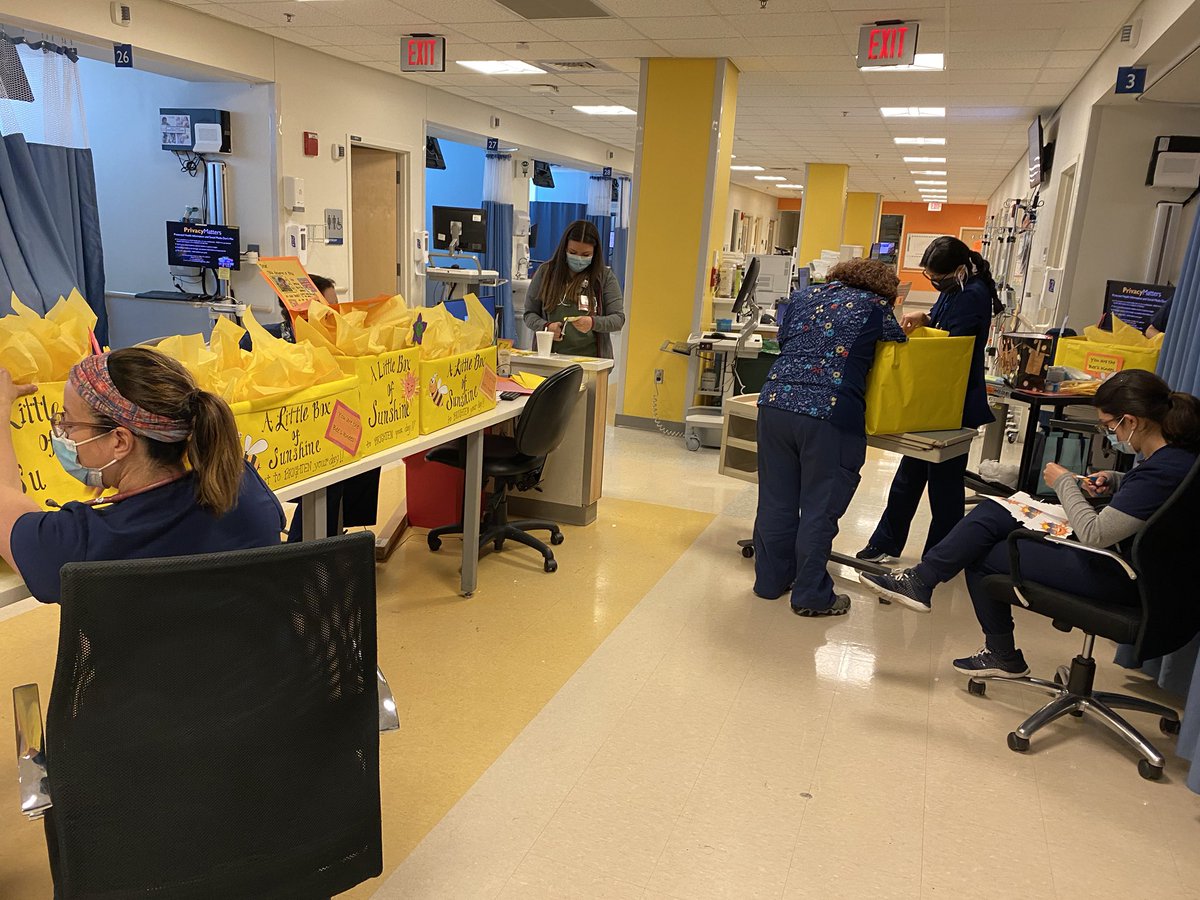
640,725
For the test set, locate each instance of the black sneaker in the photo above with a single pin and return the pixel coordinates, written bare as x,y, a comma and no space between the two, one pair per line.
841,606
903,587
873,554
996,665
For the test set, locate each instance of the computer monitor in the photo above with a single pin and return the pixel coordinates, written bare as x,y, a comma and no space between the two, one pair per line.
746,293
469,224
543,177
203,246
884,251
1133,303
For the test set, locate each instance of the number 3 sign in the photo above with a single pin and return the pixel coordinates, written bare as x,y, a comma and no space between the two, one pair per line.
1131,80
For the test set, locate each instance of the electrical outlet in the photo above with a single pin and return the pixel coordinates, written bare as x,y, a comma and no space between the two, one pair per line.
658,376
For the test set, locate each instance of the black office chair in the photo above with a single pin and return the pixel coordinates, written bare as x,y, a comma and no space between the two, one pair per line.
1167,618
213,728
516,462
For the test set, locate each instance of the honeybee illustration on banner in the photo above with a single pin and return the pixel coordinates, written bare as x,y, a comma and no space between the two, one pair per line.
437,390
252,449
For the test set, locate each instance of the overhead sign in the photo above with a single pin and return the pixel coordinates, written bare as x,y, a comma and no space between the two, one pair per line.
1131,79
123,56
422,53
887,44
493,145
607,172
935,206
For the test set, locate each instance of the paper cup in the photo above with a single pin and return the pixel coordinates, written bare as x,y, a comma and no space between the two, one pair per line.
545,339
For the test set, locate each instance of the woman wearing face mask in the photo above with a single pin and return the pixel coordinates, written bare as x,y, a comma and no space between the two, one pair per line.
967,301
134,421
1140,414
576,296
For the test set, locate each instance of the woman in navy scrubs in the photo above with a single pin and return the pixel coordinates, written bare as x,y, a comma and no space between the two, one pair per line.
1141,415
134,421
966,303
812,438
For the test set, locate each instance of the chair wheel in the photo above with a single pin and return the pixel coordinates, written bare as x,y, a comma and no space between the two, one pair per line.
1169,726
497,546
435,543
1017,743
978,688
551,565
1149,771
748,552
557,538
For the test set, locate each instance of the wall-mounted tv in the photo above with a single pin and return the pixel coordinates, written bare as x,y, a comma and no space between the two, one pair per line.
433,154
542,176
1037,163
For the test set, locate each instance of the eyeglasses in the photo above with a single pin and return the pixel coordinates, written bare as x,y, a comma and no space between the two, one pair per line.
59,424
1101,428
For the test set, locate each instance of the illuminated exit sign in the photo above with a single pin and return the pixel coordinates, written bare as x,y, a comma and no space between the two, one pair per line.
422,53
887,44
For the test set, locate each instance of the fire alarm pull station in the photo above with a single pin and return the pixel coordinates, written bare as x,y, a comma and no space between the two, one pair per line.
310,143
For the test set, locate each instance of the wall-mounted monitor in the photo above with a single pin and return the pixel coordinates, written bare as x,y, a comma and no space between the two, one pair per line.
433,154
1037,163
203,246
542,176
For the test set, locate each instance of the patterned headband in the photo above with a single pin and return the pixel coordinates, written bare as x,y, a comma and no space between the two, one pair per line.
91,380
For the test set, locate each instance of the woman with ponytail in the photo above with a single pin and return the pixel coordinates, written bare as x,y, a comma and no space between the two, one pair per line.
135,422
967,302
1140,415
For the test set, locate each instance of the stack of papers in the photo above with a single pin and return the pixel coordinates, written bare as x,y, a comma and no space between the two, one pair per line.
1035,515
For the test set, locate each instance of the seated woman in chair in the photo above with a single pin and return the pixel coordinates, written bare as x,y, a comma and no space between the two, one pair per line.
134,421
1140,415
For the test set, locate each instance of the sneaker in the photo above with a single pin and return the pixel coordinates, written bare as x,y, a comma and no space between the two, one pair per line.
873,554
903,587
996,665
841,606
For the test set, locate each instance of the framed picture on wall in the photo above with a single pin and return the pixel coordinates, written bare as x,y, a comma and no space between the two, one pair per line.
915,246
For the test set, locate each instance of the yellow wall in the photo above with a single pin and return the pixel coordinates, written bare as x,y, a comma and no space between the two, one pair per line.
824,211
862,220
719,225
669,244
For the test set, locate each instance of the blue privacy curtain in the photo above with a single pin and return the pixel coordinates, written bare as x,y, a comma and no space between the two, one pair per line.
49,218
551,220
599,211
620,254
497,202
1179,365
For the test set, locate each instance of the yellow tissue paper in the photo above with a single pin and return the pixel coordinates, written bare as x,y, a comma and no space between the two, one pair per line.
37,349
1122,334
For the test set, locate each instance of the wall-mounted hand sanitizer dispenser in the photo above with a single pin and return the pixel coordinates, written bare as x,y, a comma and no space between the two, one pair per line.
293,193
295,241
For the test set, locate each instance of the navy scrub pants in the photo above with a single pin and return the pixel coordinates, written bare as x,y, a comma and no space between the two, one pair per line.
807,473
947,500
978,545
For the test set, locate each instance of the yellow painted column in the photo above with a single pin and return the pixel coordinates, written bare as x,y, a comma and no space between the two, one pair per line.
862,219
681,188
823,214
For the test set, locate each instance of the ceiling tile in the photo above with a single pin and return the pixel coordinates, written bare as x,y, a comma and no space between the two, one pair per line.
461,11
592,29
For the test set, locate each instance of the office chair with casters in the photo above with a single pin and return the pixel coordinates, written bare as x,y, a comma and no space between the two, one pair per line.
213,727
517,462
1162,617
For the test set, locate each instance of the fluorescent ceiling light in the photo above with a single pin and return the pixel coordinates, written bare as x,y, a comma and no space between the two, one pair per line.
769,178
605,110
922,62
913,112
791,187
934,194
922,141
918,181
746,169
929,171
924,159
500,67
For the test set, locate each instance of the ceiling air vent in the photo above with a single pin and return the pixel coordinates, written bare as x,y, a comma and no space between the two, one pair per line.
1130,32
574,66
555,9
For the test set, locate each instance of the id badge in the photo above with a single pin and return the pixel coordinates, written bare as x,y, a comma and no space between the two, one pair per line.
584,303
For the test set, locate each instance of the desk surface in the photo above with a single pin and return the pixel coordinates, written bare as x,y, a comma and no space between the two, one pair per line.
12,588
529,359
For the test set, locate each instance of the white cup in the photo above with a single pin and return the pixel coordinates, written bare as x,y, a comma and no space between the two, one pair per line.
545,339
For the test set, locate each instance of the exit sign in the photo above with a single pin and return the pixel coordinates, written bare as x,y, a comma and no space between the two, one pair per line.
935,206
422,53
887,44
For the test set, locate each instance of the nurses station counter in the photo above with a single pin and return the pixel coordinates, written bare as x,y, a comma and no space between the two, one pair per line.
574,473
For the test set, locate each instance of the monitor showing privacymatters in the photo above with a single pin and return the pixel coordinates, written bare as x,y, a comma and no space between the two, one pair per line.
203,246
1135,304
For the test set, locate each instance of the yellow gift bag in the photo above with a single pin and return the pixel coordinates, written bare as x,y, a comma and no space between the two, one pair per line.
919,385
1102,353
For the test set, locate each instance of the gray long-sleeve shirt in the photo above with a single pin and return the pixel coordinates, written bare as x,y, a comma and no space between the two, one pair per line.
612,305
1096,529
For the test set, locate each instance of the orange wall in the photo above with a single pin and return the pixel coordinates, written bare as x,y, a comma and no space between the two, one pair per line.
790,203
919,220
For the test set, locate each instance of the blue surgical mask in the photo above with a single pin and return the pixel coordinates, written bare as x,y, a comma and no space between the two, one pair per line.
1118,445
578,263
67,452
